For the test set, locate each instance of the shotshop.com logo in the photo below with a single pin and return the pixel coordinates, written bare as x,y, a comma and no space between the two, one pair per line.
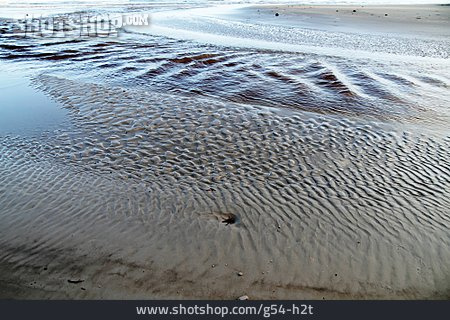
79,25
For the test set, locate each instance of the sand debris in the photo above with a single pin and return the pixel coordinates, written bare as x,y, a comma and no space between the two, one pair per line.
75,280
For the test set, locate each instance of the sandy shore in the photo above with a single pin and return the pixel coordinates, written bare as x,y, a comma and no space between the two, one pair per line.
334,170
418,20
80,222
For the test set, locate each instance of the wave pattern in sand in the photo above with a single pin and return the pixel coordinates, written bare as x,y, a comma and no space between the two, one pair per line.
396,90
324,205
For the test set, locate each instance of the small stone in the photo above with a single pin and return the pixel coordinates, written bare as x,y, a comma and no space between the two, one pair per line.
277,14
354,10
385,14
75,280
83,288
240,274
243,298
229,218
213,266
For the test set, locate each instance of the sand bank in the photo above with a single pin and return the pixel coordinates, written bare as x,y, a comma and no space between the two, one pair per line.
416,20
131,205
335,187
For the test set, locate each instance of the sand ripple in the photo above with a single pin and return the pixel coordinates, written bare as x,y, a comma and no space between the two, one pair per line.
325,205
393,90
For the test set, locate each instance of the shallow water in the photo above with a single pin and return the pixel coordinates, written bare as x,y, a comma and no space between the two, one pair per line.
335,167
24,111
377,76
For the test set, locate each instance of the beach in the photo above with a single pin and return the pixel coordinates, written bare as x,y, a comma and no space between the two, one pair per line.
418,19
278,152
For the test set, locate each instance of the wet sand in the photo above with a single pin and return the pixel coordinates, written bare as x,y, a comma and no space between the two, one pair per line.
130,199
133,203
417,20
